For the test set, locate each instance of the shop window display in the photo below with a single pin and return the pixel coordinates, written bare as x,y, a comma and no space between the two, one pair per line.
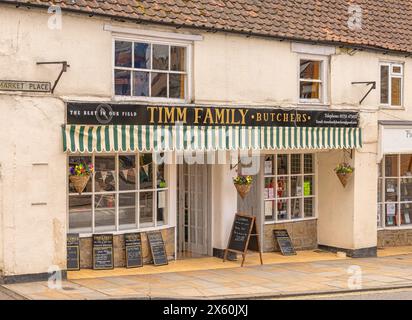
395,191
289,187
127,192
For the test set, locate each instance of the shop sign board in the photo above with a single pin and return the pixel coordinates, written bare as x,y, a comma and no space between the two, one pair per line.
243,237
28,86
284,242
396,140
133,245
73,251
103,251
138,114
157,248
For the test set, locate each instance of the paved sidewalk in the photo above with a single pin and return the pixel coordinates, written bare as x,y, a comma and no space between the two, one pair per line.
270,280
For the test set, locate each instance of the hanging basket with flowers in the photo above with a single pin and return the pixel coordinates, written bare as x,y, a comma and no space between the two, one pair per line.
80,175
242,185
344,171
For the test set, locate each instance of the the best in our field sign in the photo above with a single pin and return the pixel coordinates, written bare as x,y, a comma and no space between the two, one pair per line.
27,86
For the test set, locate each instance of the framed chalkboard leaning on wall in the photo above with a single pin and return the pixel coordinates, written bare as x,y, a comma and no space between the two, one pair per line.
133,250
284,242
73,252
243,237
103,251
157,248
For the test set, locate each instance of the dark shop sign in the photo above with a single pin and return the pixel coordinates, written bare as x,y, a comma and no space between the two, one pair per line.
135,114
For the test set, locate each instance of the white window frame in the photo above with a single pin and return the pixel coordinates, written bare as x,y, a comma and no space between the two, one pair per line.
289,197
383,202
151,40
324,80
391,75
138,227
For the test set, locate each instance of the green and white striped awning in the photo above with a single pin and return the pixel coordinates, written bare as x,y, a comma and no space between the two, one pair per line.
129,138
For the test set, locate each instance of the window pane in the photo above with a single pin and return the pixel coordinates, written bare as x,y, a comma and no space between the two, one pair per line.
309,90
80,213
308,186
282,164
397,69
140,84
406,189
310,69
159,84
142,55
146,208
406,213
146,171
105,174
282,209
269,192
177,62
282,187
296,186
384,84
308,163
73,161
391,191
177,86
396,90
295,164
160,57
161,206
105,212
269,210
295,207
123,54
391,166
161,181
122,83
406,165
127,172
127,210
269,165
390,214
309,207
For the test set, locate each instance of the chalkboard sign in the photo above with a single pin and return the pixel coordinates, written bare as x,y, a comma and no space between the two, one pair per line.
103,251
157,248
133,245
284,242
73,251
241,229
244,237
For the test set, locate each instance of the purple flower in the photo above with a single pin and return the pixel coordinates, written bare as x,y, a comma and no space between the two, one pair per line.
71,170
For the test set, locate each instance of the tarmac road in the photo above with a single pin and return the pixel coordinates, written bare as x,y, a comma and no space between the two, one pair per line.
395,294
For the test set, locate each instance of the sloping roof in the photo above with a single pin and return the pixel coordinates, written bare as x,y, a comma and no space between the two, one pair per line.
386,24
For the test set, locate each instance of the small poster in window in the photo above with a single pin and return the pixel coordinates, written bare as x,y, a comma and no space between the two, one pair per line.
161,199
268,167
268,208
298,190
407,218
390,220
390,209
271,193
390,188
266,193
306,188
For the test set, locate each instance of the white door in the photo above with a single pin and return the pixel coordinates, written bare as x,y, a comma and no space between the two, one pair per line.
193,211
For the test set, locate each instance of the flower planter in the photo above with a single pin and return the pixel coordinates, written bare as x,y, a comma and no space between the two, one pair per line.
344,177
242,189
79,182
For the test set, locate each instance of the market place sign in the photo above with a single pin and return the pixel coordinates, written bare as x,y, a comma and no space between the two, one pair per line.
27,86
137,114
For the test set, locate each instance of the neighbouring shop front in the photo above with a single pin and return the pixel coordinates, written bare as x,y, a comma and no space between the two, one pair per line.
394,209
169,169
